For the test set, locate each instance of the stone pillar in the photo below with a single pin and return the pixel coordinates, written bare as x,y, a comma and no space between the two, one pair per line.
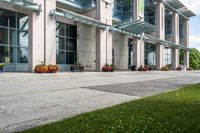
160,34
50,33
138,53
138,46
103,36
36,39
175,51
186,44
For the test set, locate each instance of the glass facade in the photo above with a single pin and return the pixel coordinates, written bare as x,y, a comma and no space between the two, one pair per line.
168,56
150,11
168,23
66,43
122,9
181,30
13,37
150,55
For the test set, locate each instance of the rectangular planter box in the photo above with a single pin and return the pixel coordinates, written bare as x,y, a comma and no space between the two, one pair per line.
77,68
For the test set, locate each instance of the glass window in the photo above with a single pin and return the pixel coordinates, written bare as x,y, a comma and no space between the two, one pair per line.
60,43
22,38
71,57
60,57
22,21
71,44
8,54
13,37
66,44
22,55
168,56
150,55
60,29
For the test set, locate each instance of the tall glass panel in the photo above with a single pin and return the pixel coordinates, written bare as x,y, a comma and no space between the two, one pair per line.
66,44
150,11
168,56
168,23
150,55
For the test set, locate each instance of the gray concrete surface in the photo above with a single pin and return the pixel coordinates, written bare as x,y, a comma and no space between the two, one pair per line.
28,99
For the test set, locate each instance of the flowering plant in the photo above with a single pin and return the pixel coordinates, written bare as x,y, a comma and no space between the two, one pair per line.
141,68
108,68
52,68
42,68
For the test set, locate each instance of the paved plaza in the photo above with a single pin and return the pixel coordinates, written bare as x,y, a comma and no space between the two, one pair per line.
28,99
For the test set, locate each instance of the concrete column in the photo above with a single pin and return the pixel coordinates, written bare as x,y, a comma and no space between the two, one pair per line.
138,53
104,37
50,33
36,40
138,46
175,51
160,34
186,43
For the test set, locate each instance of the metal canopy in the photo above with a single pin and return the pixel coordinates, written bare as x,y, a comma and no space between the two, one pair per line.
187,12
178,6
136,27
175,4
27,4
166,43
78,18
79,4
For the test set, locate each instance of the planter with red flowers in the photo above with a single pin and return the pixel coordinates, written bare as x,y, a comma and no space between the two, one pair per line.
145,68
42,68
108,68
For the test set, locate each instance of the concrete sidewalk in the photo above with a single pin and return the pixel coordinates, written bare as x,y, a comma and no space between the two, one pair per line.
28,99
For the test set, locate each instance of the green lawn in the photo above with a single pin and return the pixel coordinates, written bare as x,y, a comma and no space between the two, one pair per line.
177,111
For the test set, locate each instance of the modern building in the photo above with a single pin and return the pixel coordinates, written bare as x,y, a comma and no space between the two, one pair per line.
93,32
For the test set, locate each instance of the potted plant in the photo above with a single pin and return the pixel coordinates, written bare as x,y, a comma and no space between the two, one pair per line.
179,68
1,67
77,67
43,68
52,68
165,68
108,68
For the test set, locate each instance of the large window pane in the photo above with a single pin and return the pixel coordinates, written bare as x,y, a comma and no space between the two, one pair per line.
8,54
66,44
3,18
22,21
13,37
150,55
71,57
71,31
71,44
60,42
60,57
22,38
60,29
4,36
22,55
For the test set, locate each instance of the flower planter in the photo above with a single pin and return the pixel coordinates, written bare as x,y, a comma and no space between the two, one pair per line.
77,68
